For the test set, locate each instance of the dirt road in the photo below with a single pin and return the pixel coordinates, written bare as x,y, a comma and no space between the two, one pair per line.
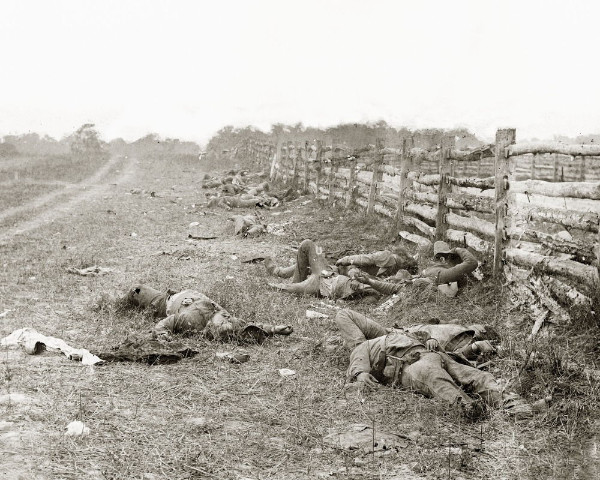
47,208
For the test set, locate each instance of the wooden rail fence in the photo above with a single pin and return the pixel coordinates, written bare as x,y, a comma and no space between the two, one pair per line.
532,207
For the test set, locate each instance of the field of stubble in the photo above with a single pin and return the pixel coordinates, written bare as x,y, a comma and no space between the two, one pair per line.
202,418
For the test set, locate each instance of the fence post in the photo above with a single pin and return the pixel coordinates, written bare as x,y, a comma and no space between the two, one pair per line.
556,165
350,194
582,171
296,167
377,175
533,159
276,159
402,184
504,199
318,165
306,157
442,209
331,177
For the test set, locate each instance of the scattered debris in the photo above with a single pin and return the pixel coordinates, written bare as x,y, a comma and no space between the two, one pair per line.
286,372
4,313
133,234
202,236
33,343
248,225
313,314
278,229
77,429
143,348
236,358
253,258
389,303
361,437
194,224
93,271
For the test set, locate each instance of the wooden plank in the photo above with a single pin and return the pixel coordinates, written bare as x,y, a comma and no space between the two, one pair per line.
431,179
566,294
306,160
423,211
419,225
582,252
402,184
276,159
465,201
441,224
331,179
318,165
422,242
553,147
504,198
586,221
377,176
481,183
352,188
467,239
473,224
585,274
589,190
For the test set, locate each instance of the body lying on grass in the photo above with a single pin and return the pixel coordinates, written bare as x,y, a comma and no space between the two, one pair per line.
192,312
311,275
414,359
448,272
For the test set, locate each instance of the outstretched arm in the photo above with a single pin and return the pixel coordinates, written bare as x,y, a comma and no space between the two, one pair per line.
387,288
456,273
365,260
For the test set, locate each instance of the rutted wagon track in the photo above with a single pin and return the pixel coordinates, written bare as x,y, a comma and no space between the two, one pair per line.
48,207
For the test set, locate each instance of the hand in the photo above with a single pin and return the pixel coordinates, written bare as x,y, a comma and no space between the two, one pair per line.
432,345
164,337
362,278
367,379
282,329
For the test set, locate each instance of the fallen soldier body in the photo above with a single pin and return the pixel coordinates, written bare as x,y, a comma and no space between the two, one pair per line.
311,275
448,273
417,361
191,312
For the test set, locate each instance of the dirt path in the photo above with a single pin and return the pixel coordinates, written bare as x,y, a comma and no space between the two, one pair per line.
74,194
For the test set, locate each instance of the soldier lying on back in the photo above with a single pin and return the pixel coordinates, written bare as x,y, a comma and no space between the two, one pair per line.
415,359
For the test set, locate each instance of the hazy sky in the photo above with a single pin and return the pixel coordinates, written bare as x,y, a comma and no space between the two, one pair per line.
186,68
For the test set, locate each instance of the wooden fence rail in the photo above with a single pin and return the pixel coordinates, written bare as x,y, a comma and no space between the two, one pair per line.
507,200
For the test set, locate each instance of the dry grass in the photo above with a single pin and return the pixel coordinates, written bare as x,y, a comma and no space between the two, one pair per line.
202,418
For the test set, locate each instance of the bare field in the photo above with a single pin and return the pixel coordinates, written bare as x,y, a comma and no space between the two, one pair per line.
202,418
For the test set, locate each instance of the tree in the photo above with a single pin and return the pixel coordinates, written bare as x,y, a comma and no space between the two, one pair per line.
86,140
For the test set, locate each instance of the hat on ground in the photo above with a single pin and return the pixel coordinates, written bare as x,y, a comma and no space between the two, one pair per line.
441,248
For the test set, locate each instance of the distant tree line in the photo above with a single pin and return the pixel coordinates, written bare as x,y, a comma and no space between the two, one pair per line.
354,135
86,141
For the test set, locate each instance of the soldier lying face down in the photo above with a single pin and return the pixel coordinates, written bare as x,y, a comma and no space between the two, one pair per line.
311,275
190,312
416,360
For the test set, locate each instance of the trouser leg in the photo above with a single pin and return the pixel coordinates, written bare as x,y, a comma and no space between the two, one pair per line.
283,272
355,328
308,261
427,376
310,286
148,297
474,380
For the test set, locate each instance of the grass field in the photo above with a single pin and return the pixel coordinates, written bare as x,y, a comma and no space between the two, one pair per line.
202,418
